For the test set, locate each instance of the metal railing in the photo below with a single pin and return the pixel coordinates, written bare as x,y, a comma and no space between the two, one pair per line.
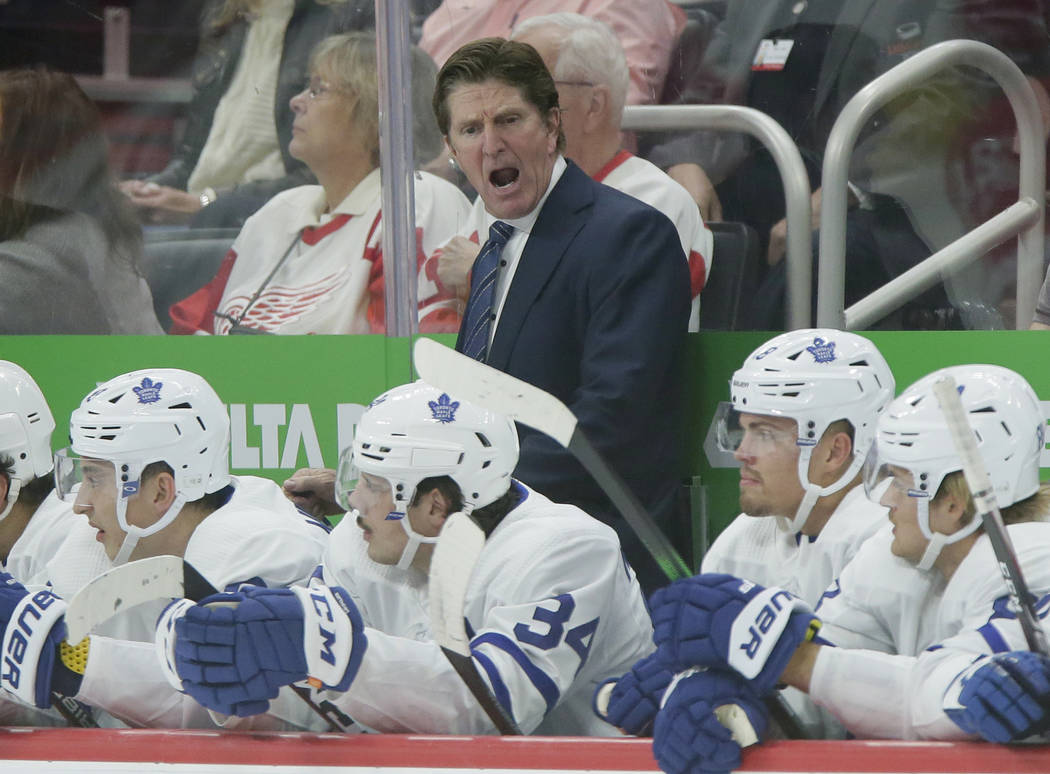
1023,218
733,118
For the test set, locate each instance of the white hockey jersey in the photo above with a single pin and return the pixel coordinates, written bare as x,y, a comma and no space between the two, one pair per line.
40,540
764,550
905,634
647,182
296,269
552,611
258,536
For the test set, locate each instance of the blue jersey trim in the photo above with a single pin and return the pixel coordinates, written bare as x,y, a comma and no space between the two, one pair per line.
499,688
993,638
541,680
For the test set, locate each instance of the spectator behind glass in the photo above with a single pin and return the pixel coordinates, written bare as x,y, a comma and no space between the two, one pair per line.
233,155
70,244
647,31
910,191
310,261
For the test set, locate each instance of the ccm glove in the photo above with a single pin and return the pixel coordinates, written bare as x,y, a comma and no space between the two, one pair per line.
34,628
233,652
1003,698
631,702
691,734
721,621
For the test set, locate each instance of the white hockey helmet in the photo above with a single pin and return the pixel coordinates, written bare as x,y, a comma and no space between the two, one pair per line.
416,431
153,415
815,377
25,429
1007,420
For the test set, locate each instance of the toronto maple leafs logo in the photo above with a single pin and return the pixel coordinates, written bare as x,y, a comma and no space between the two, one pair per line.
148,391
822,351
444,408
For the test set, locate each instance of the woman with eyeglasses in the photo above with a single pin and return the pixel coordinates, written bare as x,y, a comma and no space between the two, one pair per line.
233,154
310,261
69,244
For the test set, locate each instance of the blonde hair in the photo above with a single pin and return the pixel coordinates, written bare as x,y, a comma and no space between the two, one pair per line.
1035,507
349,62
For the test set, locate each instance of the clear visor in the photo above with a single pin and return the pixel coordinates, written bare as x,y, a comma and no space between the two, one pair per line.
346,476
760,436
79,477
880,475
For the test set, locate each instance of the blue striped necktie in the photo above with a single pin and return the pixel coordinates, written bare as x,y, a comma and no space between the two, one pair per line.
480,308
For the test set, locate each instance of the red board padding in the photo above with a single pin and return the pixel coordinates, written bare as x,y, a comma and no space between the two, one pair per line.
561,753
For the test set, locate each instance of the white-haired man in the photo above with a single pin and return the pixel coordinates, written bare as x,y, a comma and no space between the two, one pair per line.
590,71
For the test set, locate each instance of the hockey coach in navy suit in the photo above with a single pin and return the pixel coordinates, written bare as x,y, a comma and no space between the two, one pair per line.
578,289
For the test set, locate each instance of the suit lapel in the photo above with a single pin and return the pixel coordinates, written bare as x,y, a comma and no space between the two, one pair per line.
562,217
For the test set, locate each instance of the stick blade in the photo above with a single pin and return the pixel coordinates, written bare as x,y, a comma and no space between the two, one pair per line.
446,369
123,587
455,555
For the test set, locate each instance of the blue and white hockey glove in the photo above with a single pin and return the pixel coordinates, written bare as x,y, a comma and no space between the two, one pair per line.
233,652
691,734
631,702
33,627
1003,698
721,621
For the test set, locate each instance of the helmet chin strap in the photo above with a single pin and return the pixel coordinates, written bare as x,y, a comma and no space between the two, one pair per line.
132,533
938,540
415,540
813,492
14,486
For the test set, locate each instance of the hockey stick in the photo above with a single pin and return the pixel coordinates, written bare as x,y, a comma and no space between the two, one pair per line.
159,577
449,370
481,384
455,555
980,484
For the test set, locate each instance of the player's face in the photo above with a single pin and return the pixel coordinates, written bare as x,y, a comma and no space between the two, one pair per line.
97,499
374,501
323,130
768,457
505,147
908,540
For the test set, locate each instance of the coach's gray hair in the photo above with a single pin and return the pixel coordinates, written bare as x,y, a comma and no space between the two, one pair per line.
588,50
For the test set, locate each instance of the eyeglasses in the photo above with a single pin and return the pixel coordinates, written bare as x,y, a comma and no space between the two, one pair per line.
316,88
573,83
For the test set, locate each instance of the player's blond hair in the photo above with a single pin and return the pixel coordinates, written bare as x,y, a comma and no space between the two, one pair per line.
1035,507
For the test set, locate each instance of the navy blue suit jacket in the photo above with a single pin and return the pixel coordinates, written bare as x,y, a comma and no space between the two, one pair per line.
596,314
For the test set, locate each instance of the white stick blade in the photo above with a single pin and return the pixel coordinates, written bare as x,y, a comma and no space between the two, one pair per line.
461,376
120,588
455,555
